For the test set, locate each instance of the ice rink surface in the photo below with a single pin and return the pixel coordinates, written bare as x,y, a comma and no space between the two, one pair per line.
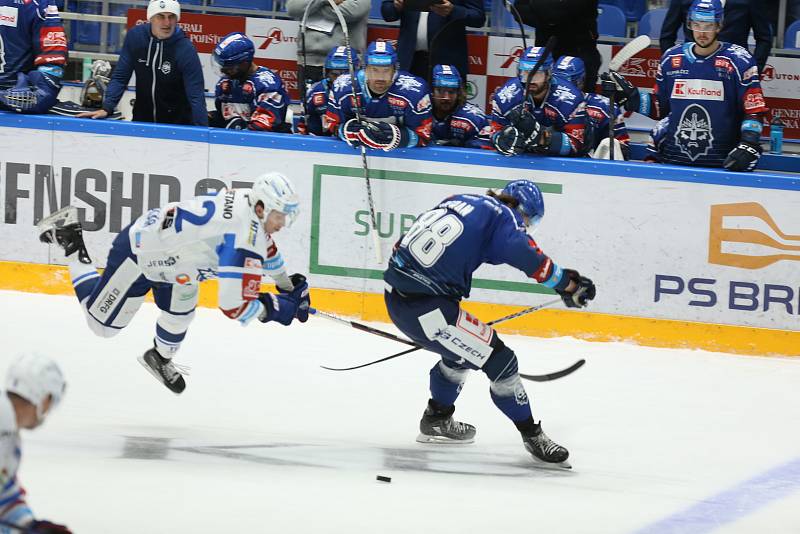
263,440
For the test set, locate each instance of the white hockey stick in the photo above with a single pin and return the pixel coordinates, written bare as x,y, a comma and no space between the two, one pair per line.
628,51
376,240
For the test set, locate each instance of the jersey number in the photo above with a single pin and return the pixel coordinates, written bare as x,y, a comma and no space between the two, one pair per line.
430,235
192,218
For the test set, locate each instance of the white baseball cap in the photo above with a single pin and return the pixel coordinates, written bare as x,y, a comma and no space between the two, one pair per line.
163,6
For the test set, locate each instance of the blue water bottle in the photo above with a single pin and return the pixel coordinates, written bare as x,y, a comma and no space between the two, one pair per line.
776,134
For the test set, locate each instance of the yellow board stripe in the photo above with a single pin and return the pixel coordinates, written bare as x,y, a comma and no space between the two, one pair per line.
55,280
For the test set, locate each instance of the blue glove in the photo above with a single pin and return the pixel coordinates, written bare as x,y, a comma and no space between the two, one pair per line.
383,136
281,308
300,293
35,92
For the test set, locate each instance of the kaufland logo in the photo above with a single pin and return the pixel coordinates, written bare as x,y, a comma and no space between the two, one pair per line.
276,36
698,89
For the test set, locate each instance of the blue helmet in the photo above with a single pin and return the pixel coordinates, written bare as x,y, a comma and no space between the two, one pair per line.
233,49
529,196
706,11
531,56
571,69
381,53
337,59
446,76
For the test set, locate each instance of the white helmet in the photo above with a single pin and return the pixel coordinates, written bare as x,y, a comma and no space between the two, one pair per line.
277,193
35,377
163,6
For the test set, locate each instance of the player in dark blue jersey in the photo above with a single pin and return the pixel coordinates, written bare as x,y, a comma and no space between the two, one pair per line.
550,121
598,110
316,104
456,122
430,272
33,53
707,96
248,97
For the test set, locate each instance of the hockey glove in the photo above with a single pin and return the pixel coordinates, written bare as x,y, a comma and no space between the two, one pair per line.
626,95
527,125
34,92
301,294
584,290
509,141
349,132
236,123
45,527
382,135
744,157
281,308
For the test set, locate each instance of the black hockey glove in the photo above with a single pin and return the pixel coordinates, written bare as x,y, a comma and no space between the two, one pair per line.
584,290
744,157
530,129
509,141
626,95
383,136
45,527
300,291
236,123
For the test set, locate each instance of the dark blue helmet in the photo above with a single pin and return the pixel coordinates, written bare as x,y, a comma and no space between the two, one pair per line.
531,56
529,196
706,11
233,49
337,59
381,53
571,69
446,76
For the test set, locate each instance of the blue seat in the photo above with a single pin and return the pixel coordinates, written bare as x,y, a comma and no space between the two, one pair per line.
611,21
791,38
632,9
375,10
88,33
264,5
651,22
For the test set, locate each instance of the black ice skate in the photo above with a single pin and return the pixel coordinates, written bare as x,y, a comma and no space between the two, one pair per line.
164,370
543,449
63,228
438,426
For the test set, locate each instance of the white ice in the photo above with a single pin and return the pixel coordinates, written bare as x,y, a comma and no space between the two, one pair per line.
263,440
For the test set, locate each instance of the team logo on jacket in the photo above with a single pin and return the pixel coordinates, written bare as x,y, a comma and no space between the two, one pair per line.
166,67
698,90
408,83
693,135
562,94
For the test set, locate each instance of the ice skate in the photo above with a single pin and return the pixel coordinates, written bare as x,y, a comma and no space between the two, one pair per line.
545,450
64,229
438,426
164,370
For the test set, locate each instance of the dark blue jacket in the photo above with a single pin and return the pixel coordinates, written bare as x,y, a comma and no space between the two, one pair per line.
739,17
169,79
450,47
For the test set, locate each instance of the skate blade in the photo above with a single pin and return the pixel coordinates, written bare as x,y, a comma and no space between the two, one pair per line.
442,440
156,375
62,217
555,466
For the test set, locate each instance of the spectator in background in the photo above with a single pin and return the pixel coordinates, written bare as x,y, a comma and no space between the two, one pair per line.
324,32
395,106
33,52
247,97
169,78
456,122
739,17
574,25
438,36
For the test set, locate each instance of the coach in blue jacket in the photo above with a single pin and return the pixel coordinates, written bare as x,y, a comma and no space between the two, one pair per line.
438,36
169,78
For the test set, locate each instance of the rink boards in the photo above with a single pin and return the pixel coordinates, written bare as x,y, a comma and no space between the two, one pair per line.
681,257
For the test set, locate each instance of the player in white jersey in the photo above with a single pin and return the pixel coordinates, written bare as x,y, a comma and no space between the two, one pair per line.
170,250
34,387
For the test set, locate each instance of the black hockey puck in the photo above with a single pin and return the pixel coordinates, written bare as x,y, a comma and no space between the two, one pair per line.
381,478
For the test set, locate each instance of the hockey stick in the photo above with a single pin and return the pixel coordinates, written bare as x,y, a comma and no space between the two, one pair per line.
628,51
418,347
376,240
362,327
518,19
548,50
304,82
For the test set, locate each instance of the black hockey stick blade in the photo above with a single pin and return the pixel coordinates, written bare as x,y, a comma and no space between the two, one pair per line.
554,375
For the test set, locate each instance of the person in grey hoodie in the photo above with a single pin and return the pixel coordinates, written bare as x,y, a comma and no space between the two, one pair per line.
324,32
169,78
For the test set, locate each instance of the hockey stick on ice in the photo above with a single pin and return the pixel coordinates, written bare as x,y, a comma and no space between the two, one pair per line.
362,327
376,240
